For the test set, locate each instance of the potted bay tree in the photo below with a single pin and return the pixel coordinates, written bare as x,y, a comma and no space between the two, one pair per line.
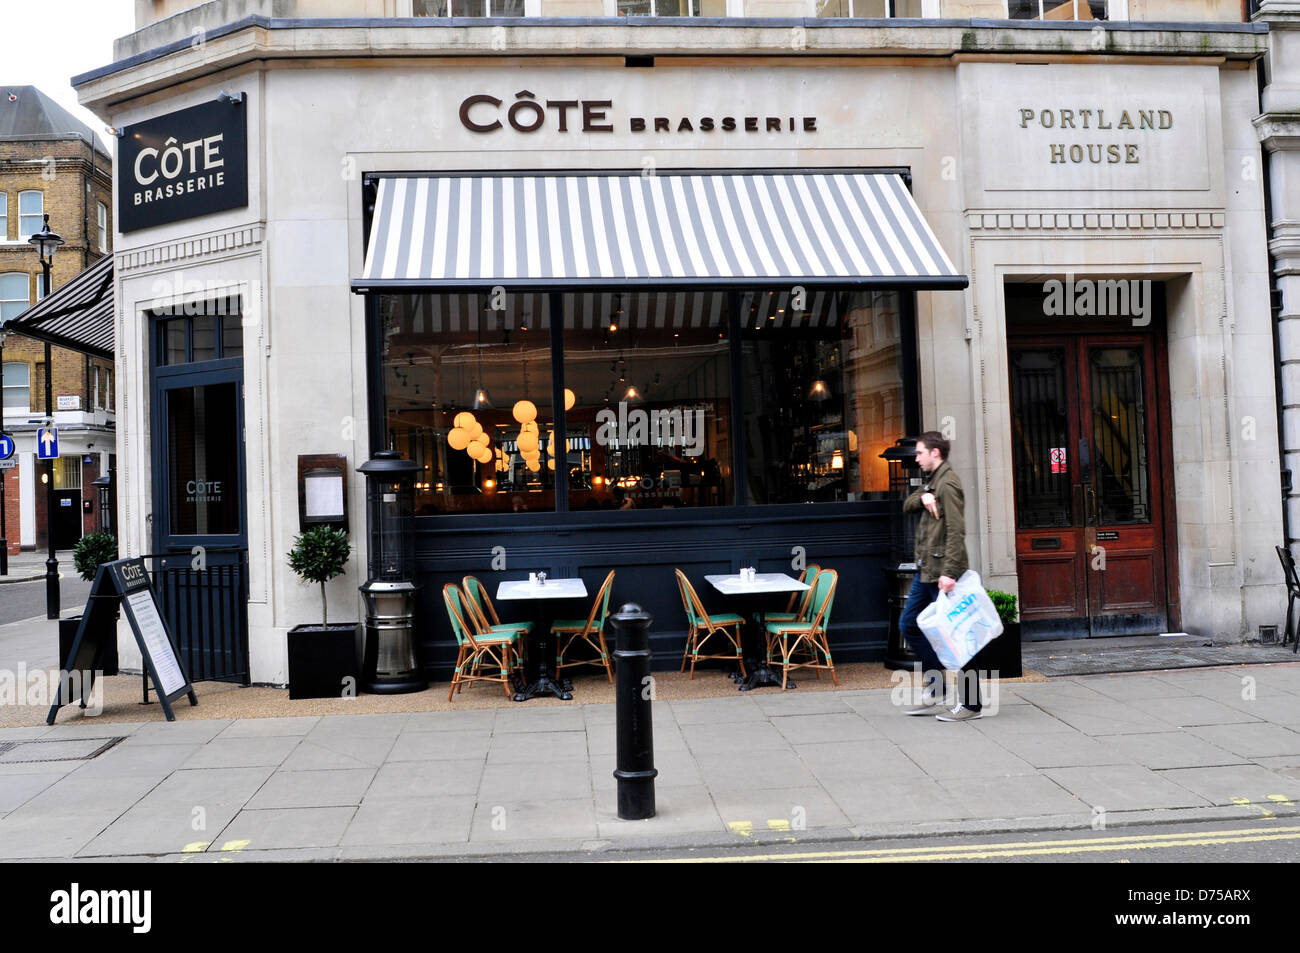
90,552
322,658
1003,653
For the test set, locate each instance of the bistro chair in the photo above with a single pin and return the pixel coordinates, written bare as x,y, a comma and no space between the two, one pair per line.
485,615
800,643
1292,593
804,600
591,631
701,627
477,647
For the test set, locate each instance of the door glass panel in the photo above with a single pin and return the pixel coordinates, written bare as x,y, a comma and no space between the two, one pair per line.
1039,430
174,341
1119,436
202,460
205,338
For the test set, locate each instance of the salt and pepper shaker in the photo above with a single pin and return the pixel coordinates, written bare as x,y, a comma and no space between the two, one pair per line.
541,578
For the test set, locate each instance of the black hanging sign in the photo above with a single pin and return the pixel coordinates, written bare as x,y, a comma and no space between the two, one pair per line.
184,164
124,584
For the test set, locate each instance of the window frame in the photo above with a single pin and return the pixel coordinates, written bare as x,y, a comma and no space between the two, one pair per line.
101,217
891,12
4,217
27,407
1116,10
27,300
451,11
38,215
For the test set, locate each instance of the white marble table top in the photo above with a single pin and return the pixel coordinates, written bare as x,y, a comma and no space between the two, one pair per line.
733,585
521,589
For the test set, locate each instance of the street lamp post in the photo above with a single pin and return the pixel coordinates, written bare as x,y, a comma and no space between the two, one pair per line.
47,243
4,474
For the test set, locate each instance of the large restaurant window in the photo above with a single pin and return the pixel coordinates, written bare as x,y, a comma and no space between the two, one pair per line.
649,396
823,394
468,397
650,375
869,9
469,8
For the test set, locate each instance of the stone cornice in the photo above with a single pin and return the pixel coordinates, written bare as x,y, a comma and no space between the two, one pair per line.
191,250
1083,223
255,39
1279,14
1279,132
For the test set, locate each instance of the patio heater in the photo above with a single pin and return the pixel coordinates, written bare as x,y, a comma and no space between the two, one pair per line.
904,477
389,664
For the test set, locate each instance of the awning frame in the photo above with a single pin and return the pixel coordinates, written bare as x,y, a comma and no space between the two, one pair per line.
81,294
370,184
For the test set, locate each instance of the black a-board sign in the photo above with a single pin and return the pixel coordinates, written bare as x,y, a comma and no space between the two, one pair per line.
124,584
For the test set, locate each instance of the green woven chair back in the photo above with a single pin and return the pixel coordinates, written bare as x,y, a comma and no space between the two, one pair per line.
455,611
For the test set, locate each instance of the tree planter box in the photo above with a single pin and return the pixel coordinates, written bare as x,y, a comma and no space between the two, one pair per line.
106,663
323,661
1002,655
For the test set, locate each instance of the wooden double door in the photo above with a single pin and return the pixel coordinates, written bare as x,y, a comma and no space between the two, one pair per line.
1089,445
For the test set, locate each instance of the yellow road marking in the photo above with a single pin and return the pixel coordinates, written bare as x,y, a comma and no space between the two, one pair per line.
1246,802
1281,799
195,848
781,824
235,844
1014,849
744,828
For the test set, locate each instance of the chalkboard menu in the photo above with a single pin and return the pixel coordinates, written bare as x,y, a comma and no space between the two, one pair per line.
124,584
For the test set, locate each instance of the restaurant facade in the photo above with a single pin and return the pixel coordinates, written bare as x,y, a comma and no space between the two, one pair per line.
653,295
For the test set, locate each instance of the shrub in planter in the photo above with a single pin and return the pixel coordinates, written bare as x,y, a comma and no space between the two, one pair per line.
90,552
322,658
1003,653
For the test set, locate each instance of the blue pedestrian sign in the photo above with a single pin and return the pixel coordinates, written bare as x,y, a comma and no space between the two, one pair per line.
6,446
47,443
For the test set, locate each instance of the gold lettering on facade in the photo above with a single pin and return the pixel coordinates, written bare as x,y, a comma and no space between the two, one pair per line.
1095,153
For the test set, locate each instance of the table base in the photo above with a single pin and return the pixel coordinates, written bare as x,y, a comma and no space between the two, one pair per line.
545,685
761,676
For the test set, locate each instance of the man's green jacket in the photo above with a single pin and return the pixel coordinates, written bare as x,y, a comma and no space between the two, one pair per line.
940,543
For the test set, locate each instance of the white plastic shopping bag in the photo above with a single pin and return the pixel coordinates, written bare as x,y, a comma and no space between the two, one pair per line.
960,623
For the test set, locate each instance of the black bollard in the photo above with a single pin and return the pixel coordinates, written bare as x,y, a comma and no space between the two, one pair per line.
636,751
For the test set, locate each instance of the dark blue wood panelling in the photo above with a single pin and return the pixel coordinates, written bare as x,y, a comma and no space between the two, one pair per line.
643,547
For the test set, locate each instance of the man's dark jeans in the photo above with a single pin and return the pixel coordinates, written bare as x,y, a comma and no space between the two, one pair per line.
921,596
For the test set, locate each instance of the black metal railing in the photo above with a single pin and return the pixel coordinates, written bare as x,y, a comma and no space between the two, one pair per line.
203,597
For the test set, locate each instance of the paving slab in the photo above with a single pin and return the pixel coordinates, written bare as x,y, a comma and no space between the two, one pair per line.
716,711
510,783
177,732
286,828
567,818
1170,749
222,752
341,787
1236,785
789,809
674,771
17,789
412,779
682,809
1059,750
1192,711
441,745
809,703
467,720
126,761
24,837
370,726
1131,687
421,820
863,760
524,718
319,753
1253,740
1021,719
535,747
94,728
730,738
1123,788
113,796
41,767
52,749
971,756
270,727
1117,718
1015,797
770,769
23,734
1281,708
810,729
889,800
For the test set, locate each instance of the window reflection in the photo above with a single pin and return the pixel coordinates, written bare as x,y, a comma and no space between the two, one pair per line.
650,378
468,396
823,394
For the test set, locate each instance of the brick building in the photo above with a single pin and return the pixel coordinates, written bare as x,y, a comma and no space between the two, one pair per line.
51,164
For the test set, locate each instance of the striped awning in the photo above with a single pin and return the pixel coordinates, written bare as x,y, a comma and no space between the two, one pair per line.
701,229
78,315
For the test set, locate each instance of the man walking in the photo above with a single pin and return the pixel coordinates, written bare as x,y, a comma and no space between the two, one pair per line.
940,561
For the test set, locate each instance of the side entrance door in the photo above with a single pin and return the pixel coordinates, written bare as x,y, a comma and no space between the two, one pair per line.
1089,485
200,532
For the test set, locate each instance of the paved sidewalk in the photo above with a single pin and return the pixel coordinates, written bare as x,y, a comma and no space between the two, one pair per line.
30,565
1070,753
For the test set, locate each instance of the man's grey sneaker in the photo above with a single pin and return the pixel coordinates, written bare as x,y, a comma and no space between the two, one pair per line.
926,709
960,713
